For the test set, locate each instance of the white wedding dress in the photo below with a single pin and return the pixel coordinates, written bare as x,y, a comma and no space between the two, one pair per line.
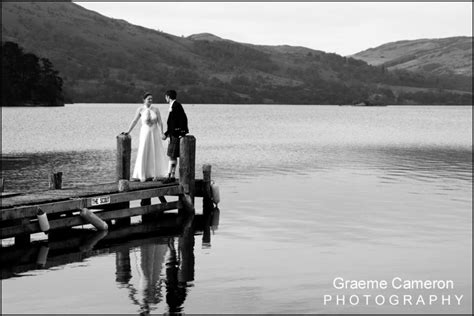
151,161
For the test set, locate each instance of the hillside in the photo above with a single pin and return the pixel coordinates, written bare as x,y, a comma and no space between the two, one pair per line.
443,56
108,60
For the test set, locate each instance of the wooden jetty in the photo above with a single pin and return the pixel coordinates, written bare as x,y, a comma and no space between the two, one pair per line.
104,205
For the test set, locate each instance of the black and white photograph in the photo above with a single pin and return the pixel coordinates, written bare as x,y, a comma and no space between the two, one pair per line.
172,158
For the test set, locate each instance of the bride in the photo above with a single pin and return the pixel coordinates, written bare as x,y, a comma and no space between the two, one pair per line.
151,162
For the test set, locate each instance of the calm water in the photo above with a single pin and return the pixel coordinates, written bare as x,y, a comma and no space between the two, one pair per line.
309,194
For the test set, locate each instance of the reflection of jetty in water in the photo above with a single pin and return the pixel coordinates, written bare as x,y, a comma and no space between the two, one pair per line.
148,257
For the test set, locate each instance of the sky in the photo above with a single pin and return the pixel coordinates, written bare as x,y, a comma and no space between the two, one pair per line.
344,28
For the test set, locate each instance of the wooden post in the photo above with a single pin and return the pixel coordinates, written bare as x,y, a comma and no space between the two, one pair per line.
206,188
123,185
124,154
55,181
145,202
2,183
207,205
187,161
24,238
147,217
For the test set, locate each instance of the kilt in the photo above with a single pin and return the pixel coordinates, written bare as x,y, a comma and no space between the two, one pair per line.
173,147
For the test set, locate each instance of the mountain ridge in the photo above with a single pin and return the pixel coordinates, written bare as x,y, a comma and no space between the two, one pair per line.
449,55
110,60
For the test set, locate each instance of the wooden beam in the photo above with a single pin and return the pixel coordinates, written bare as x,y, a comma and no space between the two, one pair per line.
49,196
74,204
33,227
124,152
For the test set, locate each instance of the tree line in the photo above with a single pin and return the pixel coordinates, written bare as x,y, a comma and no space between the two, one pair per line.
28,79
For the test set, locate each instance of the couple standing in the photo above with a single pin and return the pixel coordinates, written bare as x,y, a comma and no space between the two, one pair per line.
151,162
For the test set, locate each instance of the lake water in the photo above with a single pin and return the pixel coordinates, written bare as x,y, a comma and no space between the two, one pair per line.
308,194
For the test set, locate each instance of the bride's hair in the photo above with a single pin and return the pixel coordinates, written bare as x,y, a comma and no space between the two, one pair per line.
146,94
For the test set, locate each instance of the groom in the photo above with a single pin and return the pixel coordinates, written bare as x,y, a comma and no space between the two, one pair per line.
177,127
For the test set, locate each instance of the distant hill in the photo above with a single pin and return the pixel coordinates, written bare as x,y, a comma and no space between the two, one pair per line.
108,60
444,56
205,37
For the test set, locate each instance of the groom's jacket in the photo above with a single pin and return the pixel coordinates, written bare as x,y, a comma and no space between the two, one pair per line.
177,121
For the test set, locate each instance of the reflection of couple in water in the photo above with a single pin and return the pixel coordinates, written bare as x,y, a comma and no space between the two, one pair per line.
179,270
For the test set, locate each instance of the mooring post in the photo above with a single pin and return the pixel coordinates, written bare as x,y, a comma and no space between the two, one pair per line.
24,238
124,156
55,180
187,161
2,183
56,183
207,205
206,189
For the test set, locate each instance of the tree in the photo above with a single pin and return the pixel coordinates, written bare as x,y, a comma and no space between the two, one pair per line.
27,79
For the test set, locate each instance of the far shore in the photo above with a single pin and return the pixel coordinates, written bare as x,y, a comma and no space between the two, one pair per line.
30,105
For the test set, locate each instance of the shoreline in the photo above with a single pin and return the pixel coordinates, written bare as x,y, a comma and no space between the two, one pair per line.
33,106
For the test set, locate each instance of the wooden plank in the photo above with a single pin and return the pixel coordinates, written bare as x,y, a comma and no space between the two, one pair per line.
33,227
45,196
69,205
9,194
